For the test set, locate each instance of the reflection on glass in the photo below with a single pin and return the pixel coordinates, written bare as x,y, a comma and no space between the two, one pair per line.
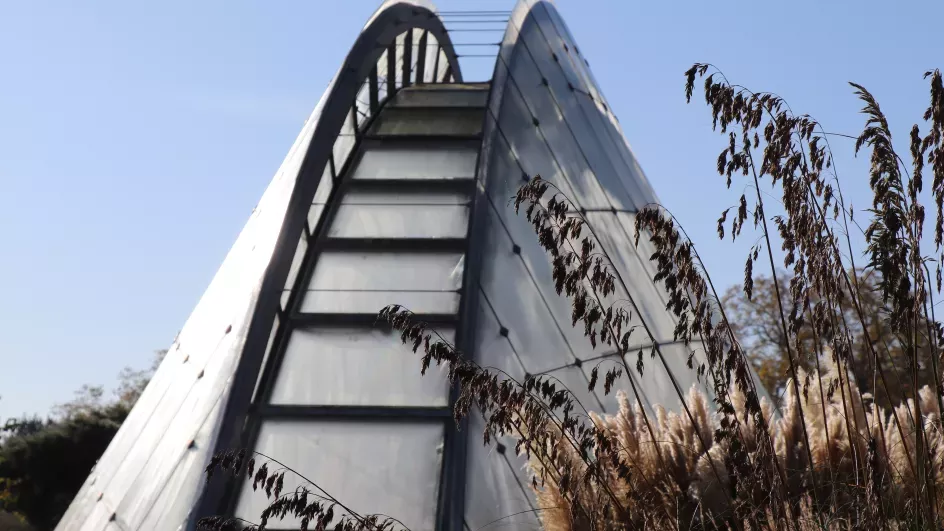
557,132
526,142
441,98
365,282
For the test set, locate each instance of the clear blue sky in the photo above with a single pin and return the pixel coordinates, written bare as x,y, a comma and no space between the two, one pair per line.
136,137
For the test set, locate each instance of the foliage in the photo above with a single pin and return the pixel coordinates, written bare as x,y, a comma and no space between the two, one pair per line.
756,322
44,463
45,469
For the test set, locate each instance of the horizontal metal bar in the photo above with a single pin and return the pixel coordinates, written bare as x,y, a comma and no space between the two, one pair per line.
404,186
394,244
438,107
421,141
424,138
358,412
365,319
472,12
608,210
494,20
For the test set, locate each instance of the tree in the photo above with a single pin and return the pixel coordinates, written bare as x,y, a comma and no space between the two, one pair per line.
756,321
44,463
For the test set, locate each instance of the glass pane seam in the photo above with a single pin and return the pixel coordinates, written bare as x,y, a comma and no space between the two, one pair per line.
521,42
595,181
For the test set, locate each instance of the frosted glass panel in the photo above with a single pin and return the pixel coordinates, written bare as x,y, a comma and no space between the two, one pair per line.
497,495
439,302
440,122
400,47
526,141
382,77
434,162
427,97
415,54
399,215
518,305
356,366
342,148
356,197
387,271
296,261
400,221
366,281
432,48
362,104
321,196
557,133
314,214
649,297
371,467
265,357
324,185
443,66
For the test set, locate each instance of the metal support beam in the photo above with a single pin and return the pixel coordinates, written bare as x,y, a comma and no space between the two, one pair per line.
407,57
358,412
394,244
392,69
365,319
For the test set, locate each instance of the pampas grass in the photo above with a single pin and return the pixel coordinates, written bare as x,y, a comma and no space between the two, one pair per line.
686,493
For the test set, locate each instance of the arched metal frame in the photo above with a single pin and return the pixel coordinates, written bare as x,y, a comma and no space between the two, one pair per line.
360,69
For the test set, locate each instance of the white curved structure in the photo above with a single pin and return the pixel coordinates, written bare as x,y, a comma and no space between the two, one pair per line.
396,191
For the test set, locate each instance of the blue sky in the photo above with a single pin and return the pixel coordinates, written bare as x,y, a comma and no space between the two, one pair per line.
136,137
